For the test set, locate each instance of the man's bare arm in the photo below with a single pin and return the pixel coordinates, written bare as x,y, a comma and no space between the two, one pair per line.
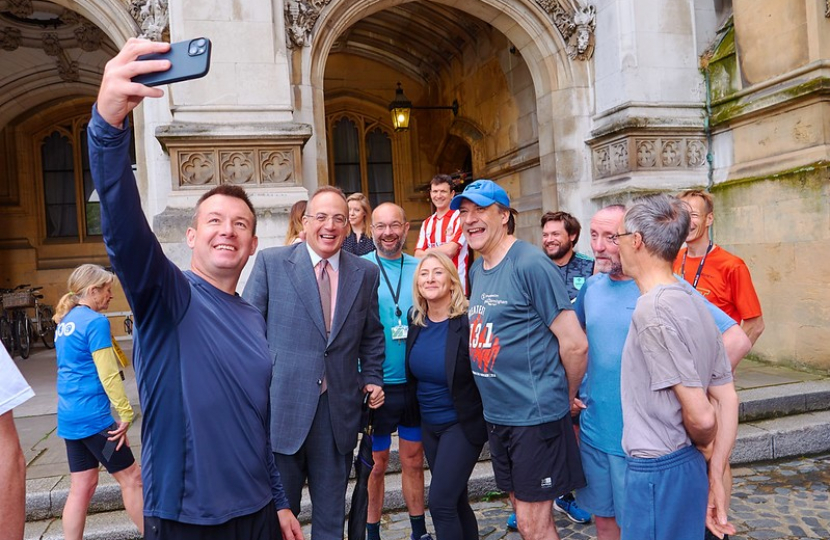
13,480
753,327
573,349
725,401
699,416
737,345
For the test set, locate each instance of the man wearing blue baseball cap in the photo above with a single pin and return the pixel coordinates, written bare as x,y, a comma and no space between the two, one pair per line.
528,354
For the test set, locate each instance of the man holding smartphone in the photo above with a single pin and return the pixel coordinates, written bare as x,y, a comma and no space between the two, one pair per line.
207,463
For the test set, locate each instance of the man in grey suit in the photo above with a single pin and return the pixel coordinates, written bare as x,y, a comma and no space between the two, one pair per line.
321,309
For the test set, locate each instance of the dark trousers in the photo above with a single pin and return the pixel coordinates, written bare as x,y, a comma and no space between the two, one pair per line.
261,525
451,459
327,472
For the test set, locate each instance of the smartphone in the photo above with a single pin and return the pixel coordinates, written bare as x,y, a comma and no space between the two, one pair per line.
109,446
189,59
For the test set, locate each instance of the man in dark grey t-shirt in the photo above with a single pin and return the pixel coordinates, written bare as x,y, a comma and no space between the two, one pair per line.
528,356
680,409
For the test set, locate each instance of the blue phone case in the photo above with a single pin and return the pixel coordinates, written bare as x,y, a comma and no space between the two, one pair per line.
189,59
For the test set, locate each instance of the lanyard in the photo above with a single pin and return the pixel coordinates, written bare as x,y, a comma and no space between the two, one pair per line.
699,268
395,295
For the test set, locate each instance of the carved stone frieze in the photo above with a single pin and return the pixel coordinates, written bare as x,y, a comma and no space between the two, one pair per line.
152,17
51,44
277,167
89,36
300,17
577,27
612,158
267,165
10,38
68,70
196,169
20,8
236,167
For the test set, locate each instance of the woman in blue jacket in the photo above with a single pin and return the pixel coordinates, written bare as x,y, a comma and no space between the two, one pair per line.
441,387
89,380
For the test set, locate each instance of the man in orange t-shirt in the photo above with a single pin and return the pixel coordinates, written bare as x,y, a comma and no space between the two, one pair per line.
718,275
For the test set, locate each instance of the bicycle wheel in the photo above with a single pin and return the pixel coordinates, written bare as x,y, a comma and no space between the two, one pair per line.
47,326
6,334
24,333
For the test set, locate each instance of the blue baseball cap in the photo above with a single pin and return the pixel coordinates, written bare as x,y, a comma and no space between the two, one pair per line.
482,193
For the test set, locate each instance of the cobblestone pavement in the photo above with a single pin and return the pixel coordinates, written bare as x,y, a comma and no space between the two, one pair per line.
771,501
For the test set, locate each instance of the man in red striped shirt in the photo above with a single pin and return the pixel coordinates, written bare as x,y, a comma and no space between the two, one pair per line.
442,230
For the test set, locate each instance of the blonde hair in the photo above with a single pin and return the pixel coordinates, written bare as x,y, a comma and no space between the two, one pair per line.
295,222
81,280
458,302
361,199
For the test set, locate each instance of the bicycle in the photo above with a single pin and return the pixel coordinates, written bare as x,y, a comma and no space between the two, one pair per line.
15,302
6,331
43,322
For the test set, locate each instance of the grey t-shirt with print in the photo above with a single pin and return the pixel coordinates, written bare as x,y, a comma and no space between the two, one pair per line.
513,354
673,340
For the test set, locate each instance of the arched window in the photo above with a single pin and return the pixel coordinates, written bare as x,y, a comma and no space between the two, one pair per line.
71,207
361,157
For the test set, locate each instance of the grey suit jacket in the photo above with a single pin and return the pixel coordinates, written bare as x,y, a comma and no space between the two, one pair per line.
283,287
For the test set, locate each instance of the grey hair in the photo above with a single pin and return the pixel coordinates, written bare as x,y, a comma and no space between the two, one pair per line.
663,222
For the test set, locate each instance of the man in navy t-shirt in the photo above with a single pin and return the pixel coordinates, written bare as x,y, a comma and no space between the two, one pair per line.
201,357
528,357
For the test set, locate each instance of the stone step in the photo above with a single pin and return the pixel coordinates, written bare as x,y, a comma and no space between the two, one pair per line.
776,421
796,435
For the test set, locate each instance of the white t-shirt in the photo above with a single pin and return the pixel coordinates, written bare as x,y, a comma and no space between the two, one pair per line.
14,389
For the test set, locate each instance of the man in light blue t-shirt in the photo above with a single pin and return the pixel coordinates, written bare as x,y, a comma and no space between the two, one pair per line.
397,272
604,308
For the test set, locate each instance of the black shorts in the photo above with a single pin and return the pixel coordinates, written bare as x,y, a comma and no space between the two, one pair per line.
261,525
536,463
89,453
393,412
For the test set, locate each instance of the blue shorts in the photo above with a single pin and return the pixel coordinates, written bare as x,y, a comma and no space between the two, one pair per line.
605,474
666,497
393,415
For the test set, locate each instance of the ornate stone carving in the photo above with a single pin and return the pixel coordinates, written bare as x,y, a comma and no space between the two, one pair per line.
196,168
827,8
68,70
619,157
51,44
581,43
695,153
602,159
577,29
89,36
152,17
671,156
651,153
20,8
10,38
277,167
646,154
300,17
236,167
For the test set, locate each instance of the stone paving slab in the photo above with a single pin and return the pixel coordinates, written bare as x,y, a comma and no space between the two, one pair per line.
784,500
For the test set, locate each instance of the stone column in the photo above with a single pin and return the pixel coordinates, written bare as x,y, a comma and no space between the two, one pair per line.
648,129
236,125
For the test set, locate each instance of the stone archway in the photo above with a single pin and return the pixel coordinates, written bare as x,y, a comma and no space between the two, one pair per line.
561,85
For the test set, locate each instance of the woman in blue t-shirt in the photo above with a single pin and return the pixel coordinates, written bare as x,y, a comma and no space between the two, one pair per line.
441,386
89,380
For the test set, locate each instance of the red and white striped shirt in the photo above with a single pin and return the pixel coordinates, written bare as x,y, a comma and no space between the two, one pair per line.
438,230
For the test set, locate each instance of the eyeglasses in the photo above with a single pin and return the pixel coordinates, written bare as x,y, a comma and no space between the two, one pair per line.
338,219
615,238
380,227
